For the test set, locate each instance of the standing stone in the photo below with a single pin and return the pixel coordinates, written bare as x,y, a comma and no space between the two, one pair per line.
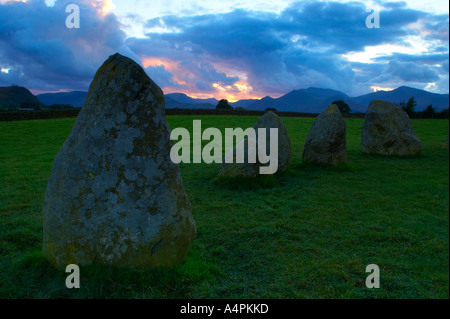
326,141
271,120
251,170
114,196
387,130
231,168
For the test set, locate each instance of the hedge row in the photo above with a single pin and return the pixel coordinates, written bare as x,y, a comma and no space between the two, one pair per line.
36,115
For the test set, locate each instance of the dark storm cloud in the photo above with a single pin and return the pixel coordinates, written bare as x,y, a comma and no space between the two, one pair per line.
301,46
163,77
436,28
342,25
392,5
430,59
416,68
208,74
411,72
43,54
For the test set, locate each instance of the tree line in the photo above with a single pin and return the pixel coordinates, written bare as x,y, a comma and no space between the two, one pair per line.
429,112
26,106
409,107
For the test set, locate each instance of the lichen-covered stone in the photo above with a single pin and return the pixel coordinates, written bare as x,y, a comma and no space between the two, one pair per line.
251,170
114,196
271,120
387,130
231,168
326,141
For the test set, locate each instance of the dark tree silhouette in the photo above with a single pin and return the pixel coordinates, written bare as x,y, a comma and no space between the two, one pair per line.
223,105
409,106
429,112
31,105
343,107
443,114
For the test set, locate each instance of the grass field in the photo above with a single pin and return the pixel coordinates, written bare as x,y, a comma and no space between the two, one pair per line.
308,233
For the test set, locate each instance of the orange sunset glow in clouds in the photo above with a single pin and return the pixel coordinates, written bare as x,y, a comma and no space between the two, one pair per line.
185,80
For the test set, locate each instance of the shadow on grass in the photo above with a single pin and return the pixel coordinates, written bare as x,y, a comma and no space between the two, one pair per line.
302,167
279,179
247,184
421,155
35,277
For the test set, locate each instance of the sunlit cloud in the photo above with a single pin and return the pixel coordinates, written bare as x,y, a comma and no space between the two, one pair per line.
169,65
431,86
372,52
151,61
379,88
244,88
6,1
188,74
238,91
103,6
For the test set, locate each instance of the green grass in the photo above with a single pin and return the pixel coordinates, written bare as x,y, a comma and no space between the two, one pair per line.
307,233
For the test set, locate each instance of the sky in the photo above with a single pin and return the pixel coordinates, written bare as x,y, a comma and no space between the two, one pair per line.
229,49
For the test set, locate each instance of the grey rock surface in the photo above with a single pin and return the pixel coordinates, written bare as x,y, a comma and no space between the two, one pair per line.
251,170
114,196
387,130
326,141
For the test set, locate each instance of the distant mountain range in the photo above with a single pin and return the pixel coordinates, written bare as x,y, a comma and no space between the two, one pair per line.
182,101
404,93
311,100
75,98
314,100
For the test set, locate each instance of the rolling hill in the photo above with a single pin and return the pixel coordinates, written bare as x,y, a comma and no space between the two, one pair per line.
15,97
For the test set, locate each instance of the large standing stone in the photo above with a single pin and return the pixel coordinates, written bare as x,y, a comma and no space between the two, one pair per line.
114,196
251,170
326,141
387,130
